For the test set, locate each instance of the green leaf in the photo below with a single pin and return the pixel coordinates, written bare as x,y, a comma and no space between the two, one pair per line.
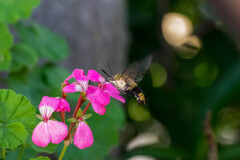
13,10
79,113
6,42
12,135
105,131
72,120
40,158
23,55
87,116
6,38
47,44
17,118
5,60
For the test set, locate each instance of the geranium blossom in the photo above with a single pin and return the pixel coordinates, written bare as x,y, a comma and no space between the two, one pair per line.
63,105
98,96
83,137
49,130
81,83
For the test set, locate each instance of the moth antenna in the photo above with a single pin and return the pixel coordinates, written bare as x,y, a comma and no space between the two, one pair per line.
110,68
107,74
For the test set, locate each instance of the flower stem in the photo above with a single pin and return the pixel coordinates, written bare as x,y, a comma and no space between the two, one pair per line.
86,108
64,95
3,153
63,152
21,151
62,114
74,131
79,104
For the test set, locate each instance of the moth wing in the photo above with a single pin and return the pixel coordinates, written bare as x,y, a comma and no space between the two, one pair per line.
131,71
137,69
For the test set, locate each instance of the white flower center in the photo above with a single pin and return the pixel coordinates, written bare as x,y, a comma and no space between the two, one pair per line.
46,111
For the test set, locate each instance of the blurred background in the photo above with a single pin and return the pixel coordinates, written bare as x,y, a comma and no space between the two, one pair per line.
192,86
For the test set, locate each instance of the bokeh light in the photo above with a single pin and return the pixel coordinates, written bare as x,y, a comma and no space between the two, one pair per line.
176,28
155,134
158,74
137,112
144,139
228,126
190,48
141,158
205,74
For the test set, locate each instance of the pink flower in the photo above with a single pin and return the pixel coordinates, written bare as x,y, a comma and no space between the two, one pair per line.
81,83
49,130
83,137
98,96
98,99
95,76
104,86
63,105
111,91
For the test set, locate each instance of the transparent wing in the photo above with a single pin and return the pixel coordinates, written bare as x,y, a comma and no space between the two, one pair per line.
137,69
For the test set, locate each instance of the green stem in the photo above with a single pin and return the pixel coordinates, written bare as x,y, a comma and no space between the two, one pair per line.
3,153
21,151
63,152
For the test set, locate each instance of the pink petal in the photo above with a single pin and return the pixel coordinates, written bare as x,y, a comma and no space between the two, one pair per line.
74,87
113,92
102,97
78,74
83,137
98,107
66,80
40,135
91,90
47,106
111,88
83,84
57,130
63,106
49,101
95,76
80,77
118,97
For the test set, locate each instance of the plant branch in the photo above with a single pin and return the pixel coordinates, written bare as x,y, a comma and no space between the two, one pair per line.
74,131
207,129
21,151
3,153
79,104
86,108
62,114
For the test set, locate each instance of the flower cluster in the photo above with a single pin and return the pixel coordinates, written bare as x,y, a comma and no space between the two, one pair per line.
98,96
50,130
